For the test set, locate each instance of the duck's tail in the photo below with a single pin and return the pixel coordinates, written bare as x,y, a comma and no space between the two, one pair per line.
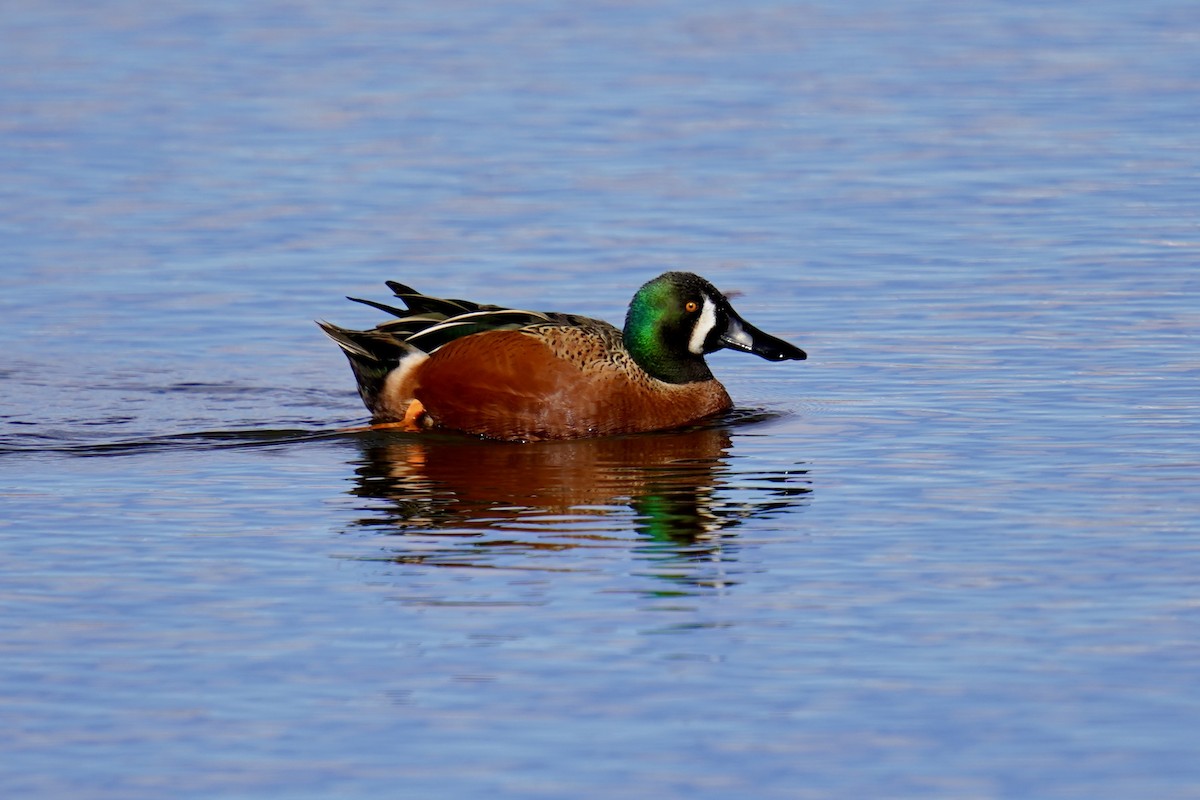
384,359
382,363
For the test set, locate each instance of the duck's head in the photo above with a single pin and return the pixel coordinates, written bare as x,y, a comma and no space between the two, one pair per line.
677,318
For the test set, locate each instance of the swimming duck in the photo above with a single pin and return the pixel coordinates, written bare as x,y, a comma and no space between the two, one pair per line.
515,375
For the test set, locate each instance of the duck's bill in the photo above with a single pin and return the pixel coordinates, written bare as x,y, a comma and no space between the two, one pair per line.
741,335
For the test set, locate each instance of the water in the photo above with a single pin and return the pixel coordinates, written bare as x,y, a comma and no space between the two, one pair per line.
951,555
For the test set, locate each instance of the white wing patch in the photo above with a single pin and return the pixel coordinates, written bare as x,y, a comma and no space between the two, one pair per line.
704,326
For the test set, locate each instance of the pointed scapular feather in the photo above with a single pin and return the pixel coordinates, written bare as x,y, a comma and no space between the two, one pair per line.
435,336
384,307
407,326
400,288
427,324
423,303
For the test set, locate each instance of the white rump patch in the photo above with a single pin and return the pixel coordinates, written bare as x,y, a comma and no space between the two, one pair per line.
704,326
398,386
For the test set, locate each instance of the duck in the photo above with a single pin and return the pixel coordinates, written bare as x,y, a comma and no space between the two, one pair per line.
524,376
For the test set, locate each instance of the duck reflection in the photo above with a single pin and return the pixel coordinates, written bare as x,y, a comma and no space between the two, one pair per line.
676,491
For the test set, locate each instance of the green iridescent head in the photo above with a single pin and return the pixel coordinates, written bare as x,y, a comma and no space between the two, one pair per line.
677,318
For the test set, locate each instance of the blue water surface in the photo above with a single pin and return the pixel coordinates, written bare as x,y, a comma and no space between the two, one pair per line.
953,554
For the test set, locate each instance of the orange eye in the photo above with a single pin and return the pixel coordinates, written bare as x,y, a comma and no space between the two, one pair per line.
692,307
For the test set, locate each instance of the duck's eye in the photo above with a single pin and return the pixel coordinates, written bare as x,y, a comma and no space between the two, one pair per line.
691,307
